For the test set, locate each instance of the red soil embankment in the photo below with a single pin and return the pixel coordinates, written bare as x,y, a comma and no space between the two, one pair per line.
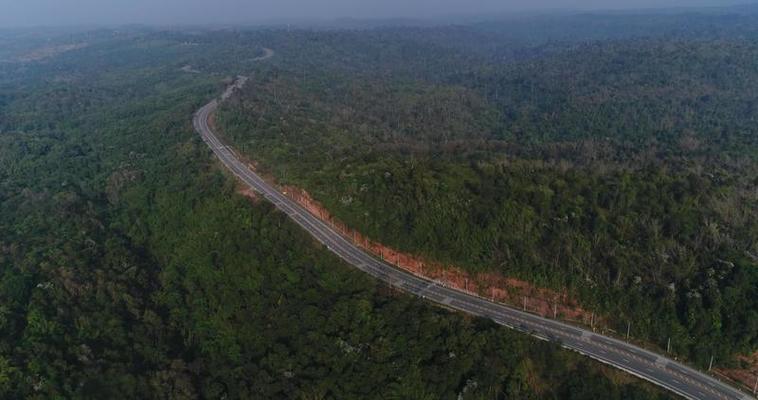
748,375
493,286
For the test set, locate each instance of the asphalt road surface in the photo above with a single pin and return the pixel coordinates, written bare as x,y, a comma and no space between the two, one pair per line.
642,363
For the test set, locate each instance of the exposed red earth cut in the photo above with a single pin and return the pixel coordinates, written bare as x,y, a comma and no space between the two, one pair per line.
545,302
747,374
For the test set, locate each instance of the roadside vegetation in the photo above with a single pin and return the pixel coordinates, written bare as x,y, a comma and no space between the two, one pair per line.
621,168
130,267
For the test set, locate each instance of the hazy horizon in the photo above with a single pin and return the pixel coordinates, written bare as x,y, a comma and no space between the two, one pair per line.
186,12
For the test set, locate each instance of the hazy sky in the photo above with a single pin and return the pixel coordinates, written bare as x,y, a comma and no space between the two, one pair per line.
72,12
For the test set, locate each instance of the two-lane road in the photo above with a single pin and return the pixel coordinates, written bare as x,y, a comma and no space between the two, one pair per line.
652,367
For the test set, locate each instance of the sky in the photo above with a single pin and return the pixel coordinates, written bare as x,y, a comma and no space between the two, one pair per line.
17,13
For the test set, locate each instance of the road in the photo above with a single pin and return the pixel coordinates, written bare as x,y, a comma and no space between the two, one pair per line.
642,363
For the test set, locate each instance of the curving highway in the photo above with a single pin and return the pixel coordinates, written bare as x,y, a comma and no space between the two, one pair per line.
642,363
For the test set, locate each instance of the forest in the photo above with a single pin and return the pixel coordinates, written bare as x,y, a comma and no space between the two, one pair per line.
622,168
131,266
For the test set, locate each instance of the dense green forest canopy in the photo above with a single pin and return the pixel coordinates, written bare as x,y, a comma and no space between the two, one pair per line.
130,267
623,167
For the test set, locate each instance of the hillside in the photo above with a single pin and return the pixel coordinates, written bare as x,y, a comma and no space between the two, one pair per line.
621,170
